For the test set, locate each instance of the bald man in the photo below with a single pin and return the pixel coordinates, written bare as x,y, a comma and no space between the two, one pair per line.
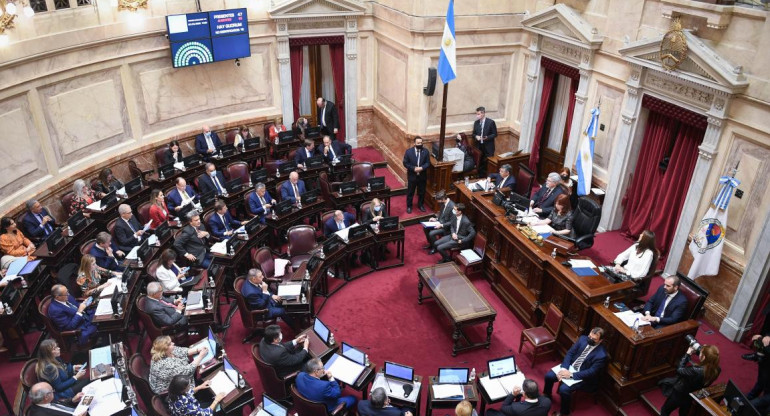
339,221
207,143
41,395
293,188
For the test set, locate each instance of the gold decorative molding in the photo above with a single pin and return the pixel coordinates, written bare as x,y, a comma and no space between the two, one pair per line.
673,47
132,5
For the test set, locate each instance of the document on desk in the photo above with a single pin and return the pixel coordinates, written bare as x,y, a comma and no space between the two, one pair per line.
105,397
529,219
152,240
219,248
396,388
498,388
445,391
204,343
221,383
101,355
180,166
583,263
470,255
479,185
104,307
14,270
629,317
112,283
121,192
567,381
95,206
132,255
344,369
280,267
542,229
343,233
194,300
430,224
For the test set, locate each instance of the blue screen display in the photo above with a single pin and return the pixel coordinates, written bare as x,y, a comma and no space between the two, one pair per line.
193,52
399,371
321,330
453,375
502,367
182,27
272,407
231,47
228,22
200,38
353,353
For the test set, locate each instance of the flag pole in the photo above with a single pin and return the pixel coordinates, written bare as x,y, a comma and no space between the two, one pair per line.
442,130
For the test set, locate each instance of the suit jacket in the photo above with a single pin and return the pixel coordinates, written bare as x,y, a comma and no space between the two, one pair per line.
510,181
125,236
218,227
206,184
174,199
674,311
331,119
103,260
368,214
365,409
327,392
33,227
335,146
410,162
592,366
287,192
35,410
255,207
188,242
489,134
466,232
65,318
547,204
201,146
164,315
445,215
301,156
168,156
524,408
286,358
330,226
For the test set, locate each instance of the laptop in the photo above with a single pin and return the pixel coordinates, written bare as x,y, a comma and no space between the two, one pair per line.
259,176
10,294
133,186
186,209
321,330
348,187
287,167
399,372
162,231
144,250
250,144
167,170
353,354
314,162
233,186
357,232
285,136
109,200
227,149
345,159
498,198
252,226
309,197
376,183
208,199
77,222
192,160
501,367
282,208
737,403
389,223
519,201
313,132
332,244
55,240
271,407
453,375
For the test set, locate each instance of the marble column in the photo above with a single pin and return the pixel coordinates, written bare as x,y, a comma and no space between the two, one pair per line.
622,152
749,292
284,75
531,95
581,96
351,82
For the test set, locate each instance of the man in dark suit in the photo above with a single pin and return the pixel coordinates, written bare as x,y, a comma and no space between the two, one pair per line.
207,143
286,357
339,221
260,202
379,405
416,161
543,200
328,119
38,222
310,386
460,231
191,242
222,224
504,179
42,396
305,153
667,306
128,231
257,294
484,131
331,149
212,180
293,188
67,314
532,405
164,311
444,216
584,361
180,195
106,252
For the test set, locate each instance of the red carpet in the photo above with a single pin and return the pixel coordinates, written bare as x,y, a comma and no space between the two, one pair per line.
368,153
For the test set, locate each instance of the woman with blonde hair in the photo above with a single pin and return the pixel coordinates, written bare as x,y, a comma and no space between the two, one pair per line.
276,128
90,276
67,380
169,360
158,209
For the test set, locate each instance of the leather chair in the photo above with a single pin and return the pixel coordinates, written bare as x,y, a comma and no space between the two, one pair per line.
66,201
643,286
205,220
301,241
476,155
246,199
585,221
272,165
111,227
143,212
160,154
364,207
306,406
93,183
274,386
277,195
159,405
292,154
230,136
136,172
326,189
238,170
266,130
264,259
28,378
139,375
67,340
696,296
254,320
86,246
151,330
326,216
361,172
524,179
473,269
543,337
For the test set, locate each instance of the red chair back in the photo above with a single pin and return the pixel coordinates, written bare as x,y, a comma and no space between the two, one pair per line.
524,179
243,308
272,165
306,406
28,375
147,322
111,227
205,219
86,247
266,130
66,201
301,239
553,319
278,186
361,172
292,154
139,375
53,331
152,269
238,170
480,245
133,169
263,258
230,136
143,212
273,385
159,406
160,154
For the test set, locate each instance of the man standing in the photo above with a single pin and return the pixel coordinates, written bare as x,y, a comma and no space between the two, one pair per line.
584,362
532,405
286,357
207,143
667,306
444,216
328,118
191,242
416,162
484,131
460,231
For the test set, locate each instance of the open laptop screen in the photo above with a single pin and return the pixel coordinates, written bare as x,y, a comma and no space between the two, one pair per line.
272,407
321,330
399,371
452,375
502,367
354,354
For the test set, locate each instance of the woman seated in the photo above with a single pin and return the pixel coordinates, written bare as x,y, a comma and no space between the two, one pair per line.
67,380
168,273
173,153
169,360
638,257
243,134
90,276
462,144
107,183
276,128
83,197
13,243
566,185
376,212
158,209
300,127
560,218
182,402
690,378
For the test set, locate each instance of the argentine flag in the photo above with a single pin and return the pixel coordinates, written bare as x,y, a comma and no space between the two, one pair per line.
585,160
447,65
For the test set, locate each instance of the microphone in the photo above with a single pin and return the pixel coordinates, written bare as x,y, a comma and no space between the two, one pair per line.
387,382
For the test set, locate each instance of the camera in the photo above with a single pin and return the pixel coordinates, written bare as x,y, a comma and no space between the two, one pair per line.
693,343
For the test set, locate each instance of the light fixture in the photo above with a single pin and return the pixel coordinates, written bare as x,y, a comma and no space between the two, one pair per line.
132,5
10,8
6,20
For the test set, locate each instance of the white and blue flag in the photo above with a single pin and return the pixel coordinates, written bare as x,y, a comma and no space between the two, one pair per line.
585,159
447,62
706,245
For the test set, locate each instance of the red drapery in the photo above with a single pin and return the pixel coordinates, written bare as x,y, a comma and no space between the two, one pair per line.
337,52
549,79
295,57
655,198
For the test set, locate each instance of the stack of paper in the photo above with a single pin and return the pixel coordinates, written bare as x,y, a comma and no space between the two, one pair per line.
104,307
479,185
219,248
430,224
221,383
121,192
132,255
112,283
179,165
395,388
567,381
343,233
280,267
456,155
196,305
344,369
95,206
470,255
445,391
582,263
497,388
629,317
152,240
289,290
542,229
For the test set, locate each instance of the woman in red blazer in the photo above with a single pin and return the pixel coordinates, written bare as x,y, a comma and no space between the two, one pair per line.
158,209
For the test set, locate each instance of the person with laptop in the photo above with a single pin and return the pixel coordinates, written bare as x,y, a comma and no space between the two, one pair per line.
260,202
285,357
305,152
181,399
579,370
379,405
106,252
328,391
533,404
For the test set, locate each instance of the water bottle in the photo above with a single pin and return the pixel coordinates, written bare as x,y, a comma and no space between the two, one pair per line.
275,217
161,176
277,173
368,187
467,181
635,326
303,299
23,283
553,253
331,338
8,309
299,204
250,183
276,140
69,231
377,227
473,375
366,360
307,275
607,302
211,282
241,381
139,262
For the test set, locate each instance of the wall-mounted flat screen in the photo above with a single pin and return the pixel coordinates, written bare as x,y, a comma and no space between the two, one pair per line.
201,38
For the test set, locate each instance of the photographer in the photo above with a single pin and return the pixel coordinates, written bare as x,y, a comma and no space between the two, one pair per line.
761,346
690,378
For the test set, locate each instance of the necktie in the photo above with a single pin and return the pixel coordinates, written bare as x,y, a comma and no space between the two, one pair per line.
184,195
46,227
545,196
500,185
71,305
581,358
210,142
296,191
222,217
323,114
661,308
339,226
332,150
217,184
481,133
418,156
164,303
131,226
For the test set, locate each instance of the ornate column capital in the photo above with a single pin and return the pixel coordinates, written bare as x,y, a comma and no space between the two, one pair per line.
627,119
714,121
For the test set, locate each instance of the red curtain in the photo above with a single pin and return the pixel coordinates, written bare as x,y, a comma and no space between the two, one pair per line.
295,58
337,52
549,79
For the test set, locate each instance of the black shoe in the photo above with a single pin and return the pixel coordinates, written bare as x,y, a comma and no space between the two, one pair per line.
408,210
428,246
432,251
750,357
421,208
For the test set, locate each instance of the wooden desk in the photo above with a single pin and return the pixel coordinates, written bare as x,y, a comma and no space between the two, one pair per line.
69,251
469,391
279,225
282,148
243,247
439,177
396,396
102,217
237,399
381,239
117,326
460,301
318,348
708,401
494,162
12,325
354,198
